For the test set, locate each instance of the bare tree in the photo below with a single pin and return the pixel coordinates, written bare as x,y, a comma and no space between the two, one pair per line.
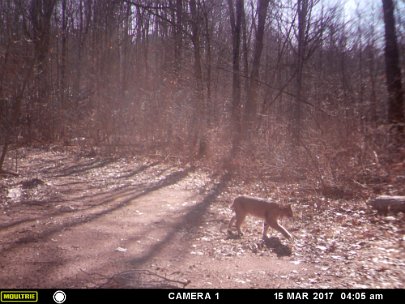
251,102
302,13
235,15
40,17
392,67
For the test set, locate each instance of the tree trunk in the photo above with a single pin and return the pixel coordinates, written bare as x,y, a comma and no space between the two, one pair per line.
236,22
208,51
62,76
302,7
3,153
392,68
178,37
40,13
198,139
251,103
64,34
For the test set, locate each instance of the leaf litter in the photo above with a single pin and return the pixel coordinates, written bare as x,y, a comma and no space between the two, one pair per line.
339,243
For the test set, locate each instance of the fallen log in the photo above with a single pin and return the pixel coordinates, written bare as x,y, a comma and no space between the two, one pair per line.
385,203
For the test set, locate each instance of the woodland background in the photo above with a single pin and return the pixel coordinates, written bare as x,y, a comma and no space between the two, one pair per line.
292,89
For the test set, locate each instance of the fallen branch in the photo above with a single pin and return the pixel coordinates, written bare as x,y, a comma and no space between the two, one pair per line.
385,203
5,172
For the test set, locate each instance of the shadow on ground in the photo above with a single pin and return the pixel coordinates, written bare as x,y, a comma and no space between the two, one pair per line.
114,202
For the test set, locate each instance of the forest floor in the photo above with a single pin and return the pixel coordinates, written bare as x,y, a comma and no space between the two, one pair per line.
71,220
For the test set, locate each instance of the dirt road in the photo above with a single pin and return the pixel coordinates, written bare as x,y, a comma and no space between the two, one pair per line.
71,221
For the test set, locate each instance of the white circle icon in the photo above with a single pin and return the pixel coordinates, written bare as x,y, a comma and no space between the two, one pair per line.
59,296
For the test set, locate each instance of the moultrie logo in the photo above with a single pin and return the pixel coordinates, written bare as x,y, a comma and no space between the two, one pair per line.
19,296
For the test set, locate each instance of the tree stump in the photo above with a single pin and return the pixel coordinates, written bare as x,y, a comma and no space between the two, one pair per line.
385,203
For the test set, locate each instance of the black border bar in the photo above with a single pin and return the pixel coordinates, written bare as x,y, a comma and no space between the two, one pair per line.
159,296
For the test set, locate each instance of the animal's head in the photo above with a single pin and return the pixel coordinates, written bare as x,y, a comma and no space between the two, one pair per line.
287,211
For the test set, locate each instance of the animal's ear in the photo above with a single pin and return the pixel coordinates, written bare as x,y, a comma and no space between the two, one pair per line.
289,210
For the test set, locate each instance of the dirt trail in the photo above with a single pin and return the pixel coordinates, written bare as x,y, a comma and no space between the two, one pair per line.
81,222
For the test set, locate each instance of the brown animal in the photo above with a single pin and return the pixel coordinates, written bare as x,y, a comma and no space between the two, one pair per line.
267,210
